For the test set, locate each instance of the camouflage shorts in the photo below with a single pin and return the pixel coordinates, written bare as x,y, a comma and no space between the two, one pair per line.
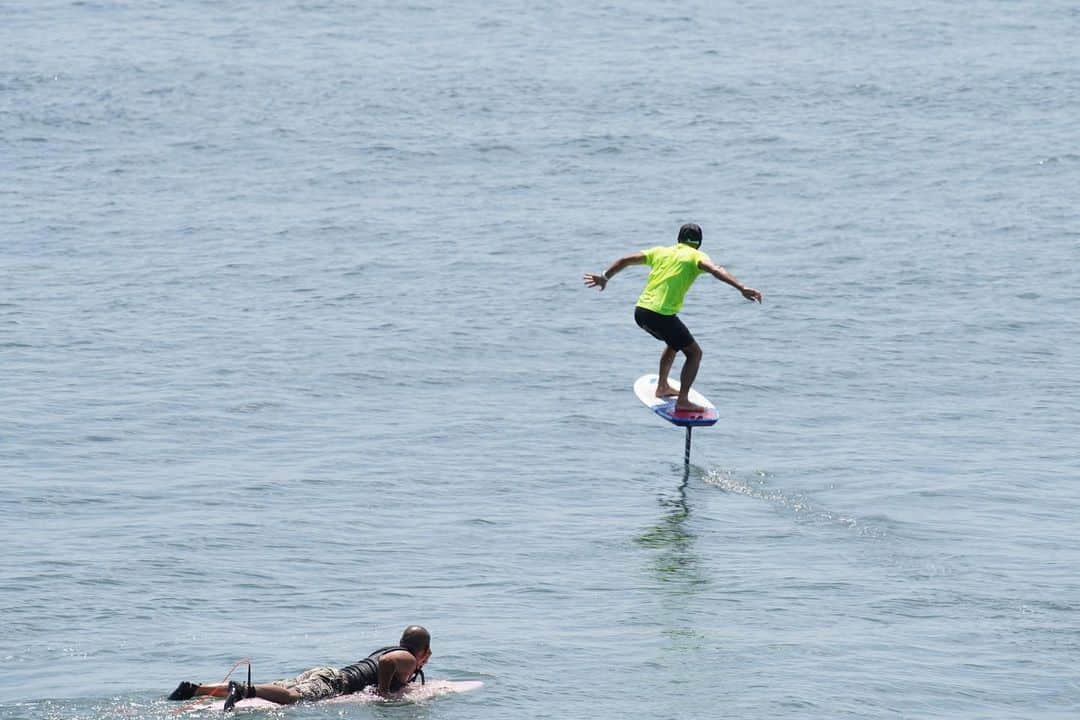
315,684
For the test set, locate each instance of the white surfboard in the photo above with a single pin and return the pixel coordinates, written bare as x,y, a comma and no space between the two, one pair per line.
645,389
216,705
412,693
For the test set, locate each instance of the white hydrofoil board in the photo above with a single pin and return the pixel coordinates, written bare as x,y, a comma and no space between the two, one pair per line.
645,389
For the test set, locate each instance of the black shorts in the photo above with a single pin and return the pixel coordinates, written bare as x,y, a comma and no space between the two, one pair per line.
666,328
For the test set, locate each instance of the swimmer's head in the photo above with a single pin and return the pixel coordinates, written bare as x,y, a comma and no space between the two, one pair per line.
415,639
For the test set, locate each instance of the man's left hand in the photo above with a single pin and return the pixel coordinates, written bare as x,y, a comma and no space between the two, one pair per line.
751,294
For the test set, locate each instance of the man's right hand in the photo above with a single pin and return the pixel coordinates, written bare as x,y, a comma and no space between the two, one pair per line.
592,280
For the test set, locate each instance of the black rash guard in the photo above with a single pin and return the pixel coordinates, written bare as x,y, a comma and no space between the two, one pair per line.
361,674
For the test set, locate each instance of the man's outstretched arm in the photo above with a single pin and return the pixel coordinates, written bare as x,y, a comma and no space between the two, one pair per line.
721,274
600,281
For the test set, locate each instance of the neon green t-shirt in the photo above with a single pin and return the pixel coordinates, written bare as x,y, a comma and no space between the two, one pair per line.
674,269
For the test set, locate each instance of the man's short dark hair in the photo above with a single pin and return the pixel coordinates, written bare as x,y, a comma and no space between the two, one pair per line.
415,639
690,233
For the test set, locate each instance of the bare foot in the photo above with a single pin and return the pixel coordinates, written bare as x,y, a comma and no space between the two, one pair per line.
666,391
687,406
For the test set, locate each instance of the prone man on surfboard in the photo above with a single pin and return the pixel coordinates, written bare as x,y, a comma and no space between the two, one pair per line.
387,670
673,270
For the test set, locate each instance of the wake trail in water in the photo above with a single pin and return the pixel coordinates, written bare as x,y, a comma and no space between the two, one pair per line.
794,504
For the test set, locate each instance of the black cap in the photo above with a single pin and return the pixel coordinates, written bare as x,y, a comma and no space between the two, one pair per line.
690,233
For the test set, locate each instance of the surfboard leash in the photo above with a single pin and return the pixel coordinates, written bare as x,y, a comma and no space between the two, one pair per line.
243,661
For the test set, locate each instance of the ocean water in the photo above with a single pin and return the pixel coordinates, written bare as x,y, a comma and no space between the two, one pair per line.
294,352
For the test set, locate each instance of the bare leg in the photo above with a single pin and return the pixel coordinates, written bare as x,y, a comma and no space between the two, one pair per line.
213,690
273,693
663,389
276,693
689,374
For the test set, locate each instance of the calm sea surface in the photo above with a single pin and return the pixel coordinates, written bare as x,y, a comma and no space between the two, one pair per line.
294,351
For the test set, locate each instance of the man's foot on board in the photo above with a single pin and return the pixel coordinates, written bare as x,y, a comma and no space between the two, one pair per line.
184,691
237,691
666,391
688,407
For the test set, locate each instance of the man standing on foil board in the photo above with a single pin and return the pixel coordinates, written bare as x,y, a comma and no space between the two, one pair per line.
673,269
